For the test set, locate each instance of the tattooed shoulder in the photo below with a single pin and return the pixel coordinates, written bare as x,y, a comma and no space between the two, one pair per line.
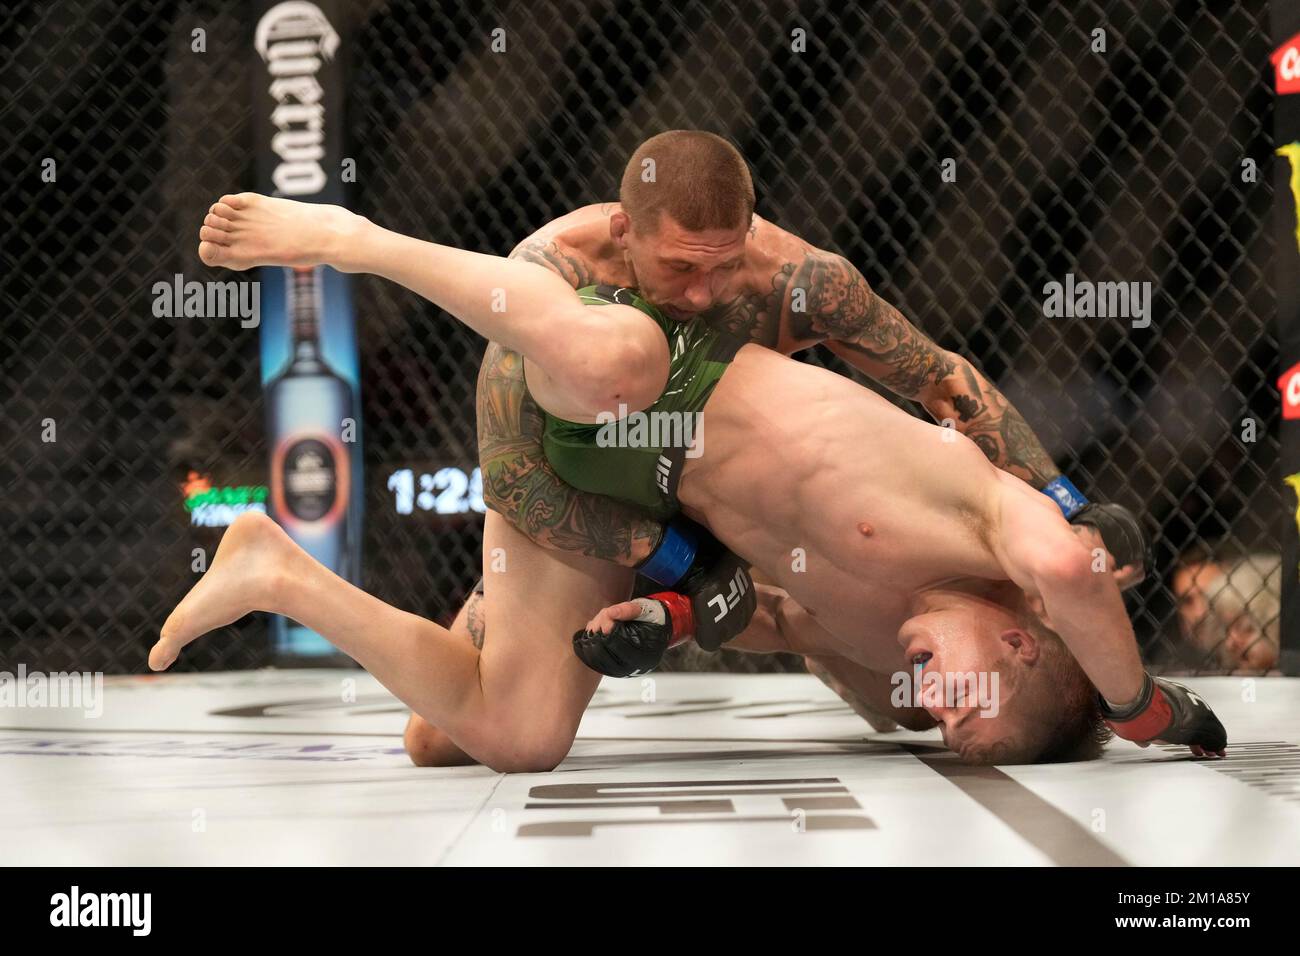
575,269
833,298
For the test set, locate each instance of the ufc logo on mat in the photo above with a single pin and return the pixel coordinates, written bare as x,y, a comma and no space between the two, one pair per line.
808,804
725,602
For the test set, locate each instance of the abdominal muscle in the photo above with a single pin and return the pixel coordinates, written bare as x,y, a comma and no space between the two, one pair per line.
847,502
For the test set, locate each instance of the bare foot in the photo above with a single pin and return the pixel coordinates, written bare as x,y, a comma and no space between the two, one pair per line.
239,581
247,229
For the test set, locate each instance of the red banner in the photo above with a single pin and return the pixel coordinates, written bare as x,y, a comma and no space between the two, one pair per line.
1286,66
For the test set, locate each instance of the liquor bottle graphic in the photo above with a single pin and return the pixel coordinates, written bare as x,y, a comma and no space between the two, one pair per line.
309,409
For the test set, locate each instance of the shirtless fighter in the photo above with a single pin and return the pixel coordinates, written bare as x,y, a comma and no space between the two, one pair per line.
516,705
701,180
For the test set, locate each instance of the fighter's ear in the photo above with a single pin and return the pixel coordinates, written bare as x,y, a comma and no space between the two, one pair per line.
1023,642
619,227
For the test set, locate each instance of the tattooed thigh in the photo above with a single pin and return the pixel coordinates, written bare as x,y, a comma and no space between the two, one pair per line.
469,622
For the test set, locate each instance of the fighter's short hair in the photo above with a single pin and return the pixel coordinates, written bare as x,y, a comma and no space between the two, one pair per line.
697,178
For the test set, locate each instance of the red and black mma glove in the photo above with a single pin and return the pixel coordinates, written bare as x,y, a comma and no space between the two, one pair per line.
1121,531
637,647
712,600
1169,712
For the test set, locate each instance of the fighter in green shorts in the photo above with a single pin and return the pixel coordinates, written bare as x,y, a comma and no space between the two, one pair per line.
637,458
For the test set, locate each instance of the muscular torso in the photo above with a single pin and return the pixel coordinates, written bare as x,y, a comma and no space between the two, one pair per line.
848,503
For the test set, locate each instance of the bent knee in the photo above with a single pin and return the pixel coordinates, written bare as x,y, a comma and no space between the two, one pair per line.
627,367
510,750
530,752
427,746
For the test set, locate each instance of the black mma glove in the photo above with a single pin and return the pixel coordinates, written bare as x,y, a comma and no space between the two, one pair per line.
1120,531
636,647
712,600
1169,712
721,593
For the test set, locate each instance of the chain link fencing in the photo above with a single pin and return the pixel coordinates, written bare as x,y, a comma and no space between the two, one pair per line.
1123,164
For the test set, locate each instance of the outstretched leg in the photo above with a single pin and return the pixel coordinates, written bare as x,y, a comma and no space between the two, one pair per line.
582,361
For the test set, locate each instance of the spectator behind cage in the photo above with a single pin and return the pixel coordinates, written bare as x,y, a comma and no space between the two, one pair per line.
1229,613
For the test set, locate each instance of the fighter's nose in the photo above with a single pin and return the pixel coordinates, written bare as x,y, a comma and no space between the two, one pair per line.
699,298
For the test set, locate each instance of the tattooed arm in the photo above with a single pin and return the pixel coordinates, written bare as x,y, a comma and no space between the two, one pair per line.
518,481
873,337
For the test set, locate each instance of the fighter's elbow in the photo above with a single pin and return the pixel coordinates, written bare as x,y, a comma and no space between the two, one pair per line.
940,395
1066,563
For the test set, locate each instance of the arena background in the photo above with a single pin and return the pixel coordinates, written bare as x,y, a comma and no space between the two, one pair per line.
1125,165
